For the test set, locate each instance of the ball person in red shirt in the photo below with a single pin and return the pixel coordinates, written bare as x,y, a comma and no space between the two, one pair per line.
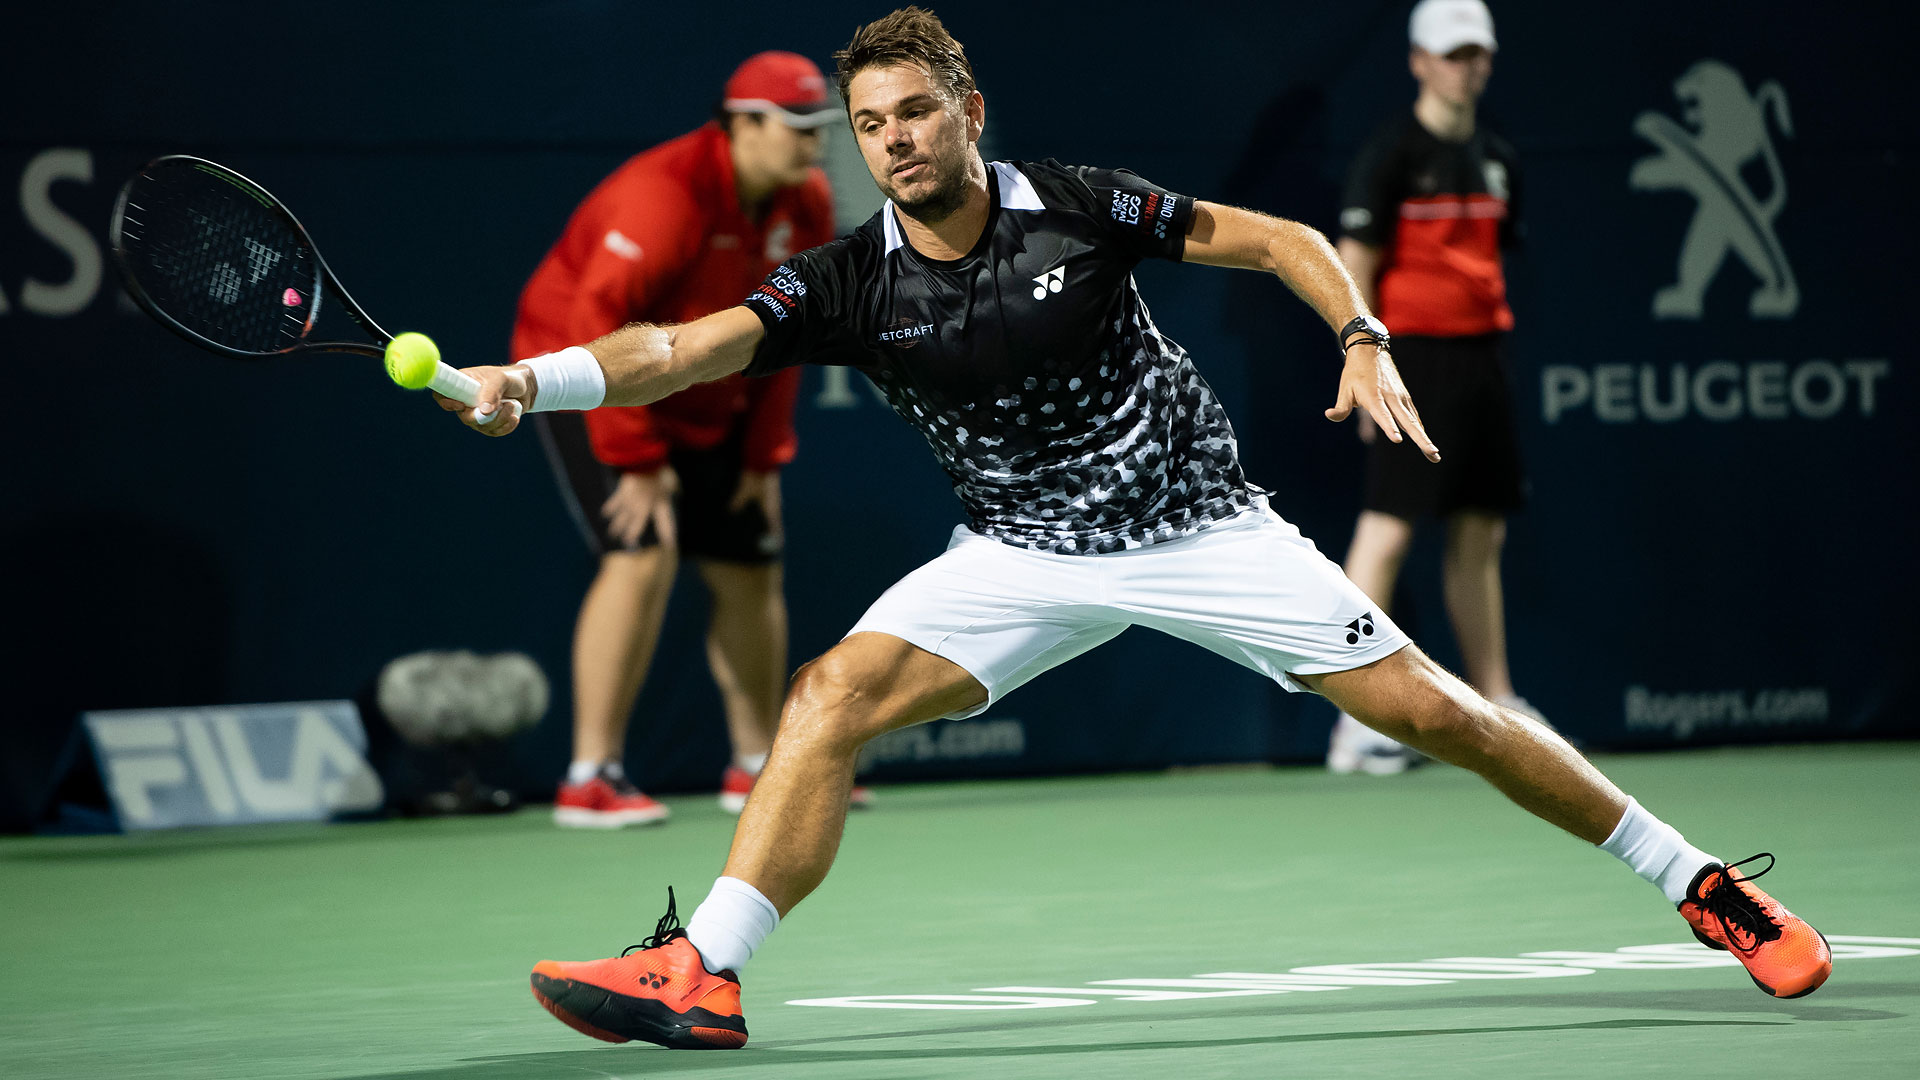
678,232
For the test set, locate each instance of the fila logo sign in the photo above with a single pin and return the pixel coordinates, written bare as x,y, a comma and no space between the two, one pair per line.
1051,281
169,768
1707,163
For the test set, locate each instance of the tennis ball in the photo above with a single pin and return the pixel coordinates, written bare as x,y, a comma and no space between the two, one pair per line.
412,359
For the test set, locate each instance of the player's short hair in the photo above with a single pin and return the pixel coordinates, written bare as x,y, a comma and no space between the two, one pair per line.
908,36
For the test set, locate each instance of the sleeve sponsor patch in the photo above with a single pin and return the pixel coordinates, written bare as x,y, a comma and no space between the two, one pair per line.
780,293
1150,210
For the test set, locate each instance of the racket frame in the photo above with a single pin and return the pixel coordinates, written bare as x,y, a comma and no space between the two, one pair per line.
324,281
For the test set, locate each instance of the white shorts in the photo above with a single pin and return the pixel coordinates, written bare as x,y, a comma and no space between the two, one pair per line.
1250,588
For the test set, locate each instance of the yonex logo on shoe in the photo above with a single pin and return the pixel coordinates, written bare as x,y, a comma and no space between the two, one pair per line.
1359,628
654,980
1051,281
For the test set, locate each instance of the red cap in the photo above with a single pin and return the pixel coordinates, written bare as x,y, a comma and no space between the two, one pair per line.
784,84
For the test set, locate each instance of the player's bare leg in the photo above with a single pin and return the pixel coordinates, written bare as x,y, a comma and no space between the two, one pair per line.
1410,698
1418,702
747,650
862,688
1470,572
681,988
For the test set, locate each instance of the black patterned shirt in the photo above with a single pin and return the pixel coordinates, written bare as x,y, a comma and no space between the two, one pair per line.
1067,422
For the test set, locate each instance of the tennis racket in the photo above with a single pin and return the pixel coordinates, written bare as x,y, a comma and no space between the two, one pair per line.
216,259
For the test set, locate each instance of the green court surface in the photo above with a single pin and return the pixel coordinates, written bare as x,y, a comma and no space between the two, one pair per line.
401,949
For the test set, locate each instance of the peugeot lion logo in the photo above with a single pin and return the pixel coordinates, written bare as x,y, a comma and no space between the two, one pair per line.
1705,163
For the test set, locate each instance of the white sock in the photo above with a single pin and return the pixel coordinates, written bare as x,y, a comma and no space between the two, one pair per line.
751,763
582,771
732,923
1656,851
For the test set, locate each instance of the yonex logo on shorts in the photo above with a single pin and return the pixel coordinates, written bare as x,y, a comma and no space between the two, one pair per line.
1359,628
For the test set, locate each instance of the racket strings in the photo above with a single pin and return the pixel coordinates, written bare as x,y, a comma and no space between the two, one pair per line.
216,259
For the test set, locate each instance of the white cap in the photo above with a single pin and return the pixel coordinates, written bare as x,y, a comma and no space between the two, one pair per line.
1441,26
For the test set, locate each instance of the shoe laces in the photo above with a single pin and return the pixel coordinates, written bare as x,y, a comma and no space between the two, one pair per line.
1735,908
620,782
664,931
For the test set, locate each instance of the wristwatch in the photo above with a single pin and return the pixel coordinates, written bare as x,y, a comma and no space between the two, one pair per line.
1369,329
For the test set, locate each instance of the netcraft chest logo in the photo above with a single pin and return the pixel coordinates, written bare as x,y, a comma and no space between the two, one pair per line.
1730,130
905,333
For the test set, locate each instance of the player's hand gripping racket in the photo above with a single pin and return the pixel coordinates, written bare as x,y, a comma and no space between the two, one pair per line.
218,260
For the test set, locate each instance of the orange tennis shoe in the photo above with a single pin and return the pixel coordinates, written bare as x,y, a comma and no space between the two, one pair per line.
662,993
1785,957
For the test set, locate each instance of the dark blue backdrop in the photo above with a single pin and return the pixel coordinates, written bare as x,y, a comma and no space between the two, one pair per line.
1729,563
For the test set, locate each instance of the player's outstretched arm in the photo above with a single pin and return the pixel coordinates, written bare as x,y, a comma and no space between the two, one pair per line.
637,364
1300,256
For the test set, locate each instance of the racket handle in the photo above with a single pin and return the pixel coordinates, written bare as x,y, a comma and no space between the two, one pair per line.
449,382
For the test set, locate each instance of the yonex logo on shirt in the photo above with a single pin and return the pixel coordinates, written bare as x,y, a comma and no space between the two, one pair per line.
1161,211
1051,281
771,300
1360,627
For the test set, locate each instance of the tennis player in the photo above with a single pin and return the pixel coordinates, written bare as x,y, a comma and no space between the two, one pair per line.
994,304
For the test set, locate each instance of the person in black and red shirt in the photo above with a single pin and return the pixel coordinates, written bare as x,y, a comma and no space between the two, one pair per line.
994,305
1431,203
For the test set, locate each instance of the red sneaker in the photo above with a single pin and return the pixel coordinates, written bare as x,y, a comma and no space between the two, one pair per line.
1784,956
736,783
608,801
662,993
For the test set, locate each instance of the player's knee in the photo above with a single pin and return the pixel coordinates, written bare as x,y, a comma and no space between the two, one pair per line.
831,704
1455,723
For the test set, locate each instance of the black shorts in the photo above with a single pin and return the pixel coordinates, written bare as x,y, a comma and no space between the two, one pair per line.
1465,398
707,528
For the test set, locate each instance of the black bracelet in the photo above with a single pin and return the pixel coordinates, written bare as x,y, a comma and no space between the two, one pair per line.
1366,335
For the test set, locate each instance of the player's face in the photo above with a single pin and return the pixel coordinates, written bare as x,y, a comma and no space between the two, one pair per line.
916,140
1458,77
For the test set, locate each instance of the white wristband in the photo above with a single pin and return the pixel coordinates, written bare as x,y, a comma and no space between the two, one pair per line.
568,379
